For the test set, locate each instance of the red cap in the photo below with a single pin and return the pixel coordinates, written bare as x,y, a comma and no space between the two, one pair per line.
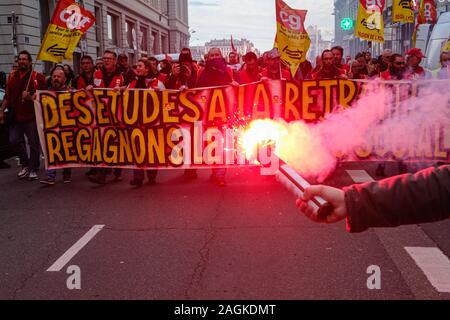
415,52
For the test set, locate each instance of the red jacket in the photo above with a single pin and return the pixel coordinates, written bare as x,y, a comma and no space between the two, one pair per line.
80,82
23,109
285,74
100,77
244,77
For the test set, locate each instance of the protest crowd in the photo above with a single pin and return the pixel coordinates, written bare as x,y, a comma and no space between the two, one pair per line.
114,71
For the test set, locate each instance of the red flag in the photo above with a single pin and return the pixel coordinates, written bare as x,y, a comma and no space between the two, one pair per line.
427,12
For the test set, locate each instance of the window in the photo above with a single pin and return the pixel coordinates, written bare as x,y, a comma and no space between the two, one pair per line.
164,44
112,21
155,42
144,39
130,31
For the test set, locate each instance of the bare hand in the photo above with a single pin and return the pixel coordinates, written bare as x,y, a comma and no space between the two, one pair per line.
26,96
334,196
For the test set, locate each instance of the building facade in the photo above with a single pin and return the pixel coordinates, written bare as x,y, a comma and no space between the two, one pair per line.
318,44
397,35
133,27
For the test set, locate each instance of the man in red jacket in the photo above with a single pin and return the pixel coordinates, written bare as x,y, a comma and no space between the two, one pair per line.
19,99
86,77
413,59
107,77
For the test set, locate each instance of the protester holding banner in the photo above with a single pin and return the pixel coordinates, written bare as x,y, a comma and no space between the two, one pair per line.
397,69
154,73
233,61
250,71
124,67
144,81
304,71
413,59
19,99
86,77
338,54
275,70
216,73
107,77
58,83
385,59
328,70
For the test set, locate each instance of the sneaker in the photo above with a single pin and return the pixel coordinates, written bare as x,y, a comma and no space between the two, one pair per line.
67,180
33,176
47,181
23,173
136,182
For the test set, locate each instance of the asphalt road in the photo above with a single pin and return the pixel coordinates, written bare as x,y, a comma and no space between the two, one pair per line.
193,240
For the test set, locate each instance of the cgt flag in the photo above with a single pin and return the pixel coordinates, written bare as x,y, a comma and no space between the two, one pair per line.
292,40
69,23
427,15
370,24
427,12
402,11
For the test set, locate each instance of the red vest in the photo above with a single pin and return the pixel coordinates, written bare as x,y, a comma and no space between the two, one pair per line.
81,82
117,80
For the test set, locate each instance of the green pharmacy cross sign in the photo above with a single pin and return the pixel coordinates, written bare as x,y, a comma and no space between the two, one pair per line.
347,24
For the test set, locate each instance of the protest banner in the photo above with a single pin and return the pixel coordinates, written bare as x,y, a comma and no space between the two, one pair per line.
198,128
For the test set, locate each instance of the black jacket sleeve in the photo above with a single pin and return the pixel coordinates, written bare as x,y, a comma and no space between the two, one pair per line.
406,199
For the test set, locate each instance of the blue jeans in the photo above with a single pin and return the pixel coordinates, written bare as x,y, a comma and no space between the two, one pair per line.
51,173
17,131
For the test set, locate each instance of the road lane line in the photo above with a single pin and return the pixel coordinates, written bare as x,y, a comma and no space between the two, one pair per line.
435,264
360,176
69,254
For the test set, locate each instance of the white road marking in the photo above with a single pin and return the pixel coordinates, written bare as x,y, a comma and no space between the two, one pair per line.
435,264
69,254
360,176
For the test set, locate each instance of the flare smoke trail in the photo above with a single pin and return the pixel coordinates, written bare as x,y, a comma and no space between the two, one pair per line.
374,118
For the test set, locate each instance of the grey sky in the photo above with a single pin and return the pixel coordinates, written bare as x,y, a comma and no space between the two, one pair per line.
251,19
